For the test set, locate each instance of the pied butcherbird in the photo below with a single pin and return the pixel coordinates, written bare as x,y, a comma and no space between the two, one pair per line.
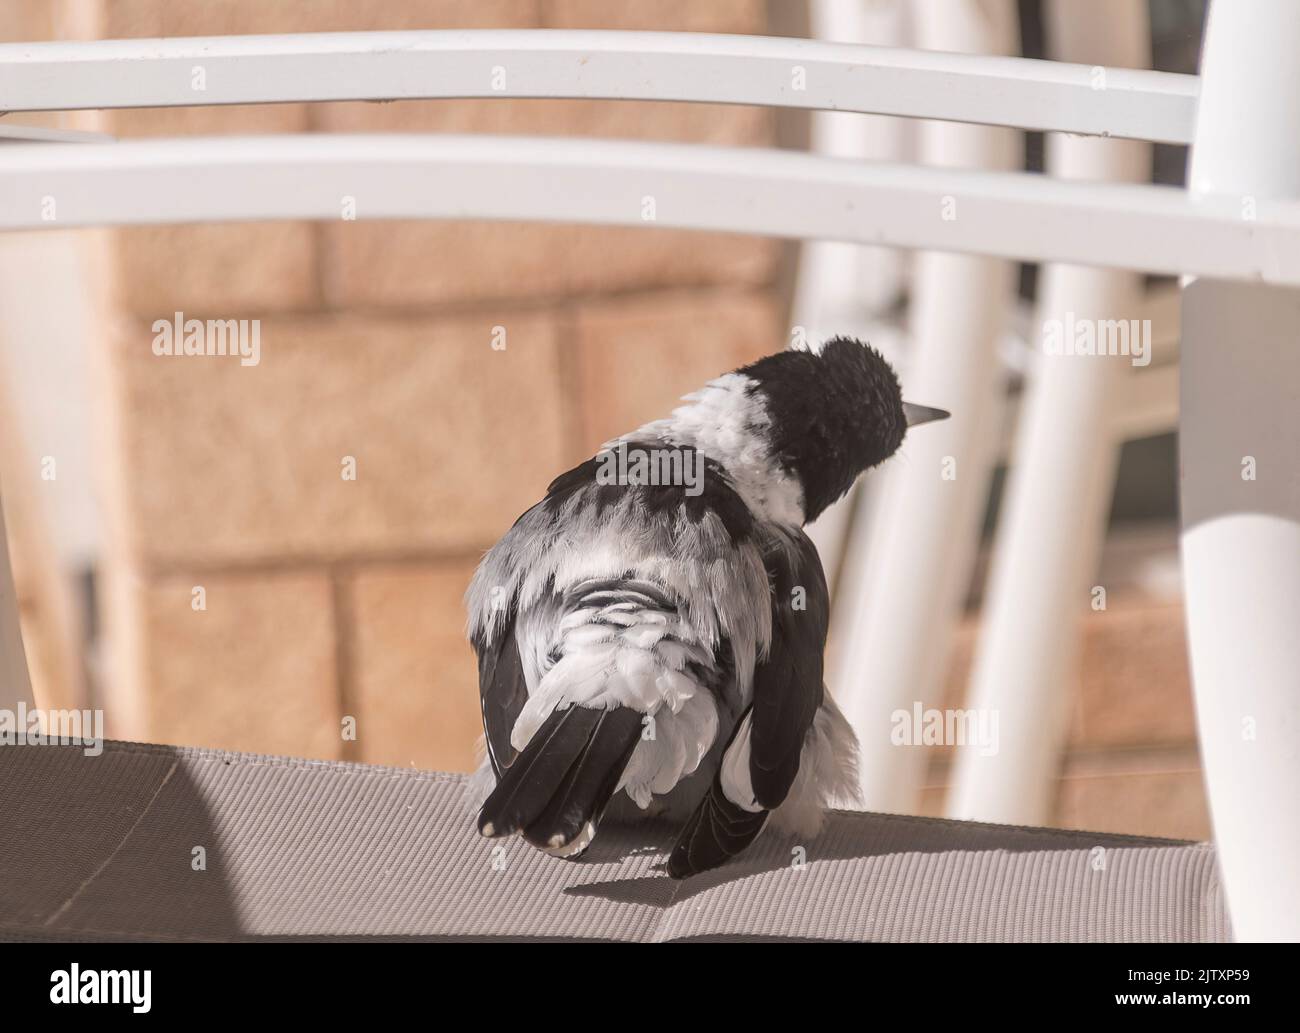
653,644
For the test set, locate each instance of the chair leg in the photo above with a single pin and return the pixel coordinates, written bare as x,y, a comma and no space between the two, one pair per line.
15,682
1239,434
844,288
1062,477
893,626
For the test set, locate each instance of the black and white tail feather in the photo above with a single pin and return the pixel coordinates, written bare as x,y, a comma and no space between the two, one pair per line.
643,641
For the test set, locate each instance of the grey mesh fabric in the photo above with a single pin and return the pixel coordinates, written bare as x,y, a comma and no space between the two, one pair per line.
104,848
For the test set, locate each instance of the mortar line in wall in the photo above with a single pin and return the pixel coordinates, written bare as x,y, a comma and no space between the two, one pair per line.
1154,759
318,249
473,306
344,682
309,564
398,313
571,387
1103,761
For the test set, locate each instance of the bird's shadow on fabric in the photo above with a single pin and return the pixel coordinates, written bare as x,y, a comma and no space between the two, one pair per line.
848,836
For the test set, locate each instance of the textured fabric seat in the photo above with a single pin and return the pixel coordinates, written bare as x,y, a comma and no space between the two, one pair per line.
107,847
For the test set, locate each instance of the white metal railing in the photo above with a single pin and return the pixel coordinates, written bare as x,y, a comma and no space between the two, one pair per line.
607,65
776,193
1145,228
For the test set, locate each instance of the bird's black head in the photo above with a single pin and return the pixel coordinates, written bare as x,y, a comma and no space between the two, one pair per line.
834,414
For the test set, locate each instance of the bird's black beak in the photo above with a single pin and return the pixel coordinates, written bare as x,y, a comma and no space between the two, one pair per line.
917,414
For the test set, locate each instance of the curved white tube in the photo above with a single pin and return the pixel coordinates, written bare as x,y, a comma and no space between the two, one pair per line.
688,186
1240,445
680,66
1062,473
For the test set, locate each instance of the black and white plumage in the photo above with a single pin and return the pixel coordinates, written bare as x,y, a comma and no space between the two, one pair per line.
647,647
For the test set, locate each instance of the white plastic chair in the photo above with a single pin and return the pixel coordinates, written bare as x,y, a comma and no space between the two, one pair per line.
1235,233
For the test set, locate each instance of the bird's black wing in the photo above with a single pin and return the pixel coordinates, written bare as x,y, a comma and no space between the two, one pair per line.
501,685
717,831
788,690
502,692
788,687
502,688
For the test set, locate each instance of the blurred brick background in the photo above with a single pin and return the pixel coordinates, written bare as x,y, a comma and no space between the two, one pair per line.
328,598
